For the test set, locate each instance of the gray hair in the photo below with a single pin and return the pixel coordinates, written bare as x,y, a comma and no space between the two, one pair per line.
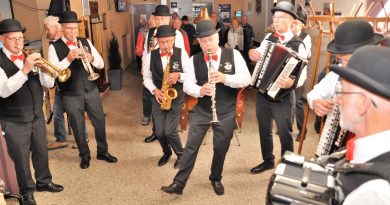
52,21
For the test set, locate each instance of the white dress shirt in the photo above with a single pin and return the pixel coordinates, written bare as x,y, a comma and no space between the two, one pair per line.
301,52
240,79
53,58
9,86
324,89
147,73
179,43
374,191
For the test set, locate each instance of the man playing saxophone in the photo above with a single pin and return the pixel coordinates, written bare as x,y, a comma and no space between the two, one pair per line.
230,72
164,71
80,93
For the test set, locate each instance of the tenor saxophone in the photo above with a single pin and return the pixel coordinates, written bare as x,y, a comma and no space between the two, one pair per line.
169,93
212,83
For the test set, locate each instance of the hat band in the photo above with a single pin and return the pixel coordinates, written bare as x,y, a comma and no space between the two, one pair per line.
353,46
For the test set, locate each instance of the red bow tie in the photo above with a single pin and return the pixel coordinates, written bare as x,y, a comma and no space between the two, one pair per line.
70,43
213,57
350,149
17,57
169,54
279,36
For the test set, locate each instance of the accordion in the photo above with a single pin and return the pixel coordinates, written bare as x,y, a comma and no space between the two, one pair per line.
277,60
300,183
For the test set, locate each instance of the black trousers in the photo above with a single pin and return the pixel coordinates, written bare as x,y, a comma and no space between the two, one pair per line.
165,126
75,106
281,112
21,138
299,109
222,134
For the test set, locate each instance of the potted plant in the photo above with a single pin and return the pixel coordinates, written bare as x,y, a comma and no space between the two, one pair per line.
115,61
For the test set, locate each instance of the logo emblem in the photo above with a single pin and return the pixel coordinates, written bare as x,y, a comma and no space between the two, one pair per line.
228,67
175,66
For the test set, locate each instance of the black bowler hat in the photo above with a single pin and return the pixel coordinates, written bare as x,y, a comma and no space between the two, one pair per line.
161,10
351,35
285,7
69,17
165,31
11,25
184,18
368,68
302,17
205,28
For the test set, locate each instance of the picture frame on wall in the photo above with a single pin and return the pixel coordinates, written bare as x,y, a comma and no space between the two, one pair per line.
104,20
121,5
86,9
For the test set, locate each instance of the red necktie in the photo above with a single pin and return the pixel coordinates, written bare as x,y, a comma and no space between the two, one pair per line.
213,57
279,36
169,54
350,149
17,57
70,43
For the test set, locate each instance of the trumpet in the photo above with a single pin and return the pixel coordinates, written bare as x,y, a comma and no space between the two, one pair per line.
212,83
87,65
46,67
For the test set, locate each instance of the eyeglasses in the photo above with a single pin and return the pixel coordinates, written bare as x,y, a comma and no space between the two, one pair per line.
14,39
71,28
339,93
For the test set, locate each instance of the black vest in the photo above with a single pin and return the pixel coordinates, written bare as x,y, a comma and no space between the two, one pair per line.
351,181
78,82
26,103
175,65
225,96
303,35
292,43
150,35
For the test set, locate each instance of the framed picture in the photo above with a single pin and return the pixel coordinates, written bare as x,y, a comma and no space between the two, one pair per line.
121,5
86,10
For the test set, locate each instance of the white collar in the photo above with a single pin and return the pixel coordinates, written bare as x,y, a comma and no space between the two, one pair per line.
369,147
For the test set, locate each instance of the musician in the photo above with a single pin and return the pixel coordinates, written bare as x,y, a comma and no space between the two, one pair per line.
298,29
166,121
364,99
268,109
53,33
345,43
21,115
78,93
232,74
161,17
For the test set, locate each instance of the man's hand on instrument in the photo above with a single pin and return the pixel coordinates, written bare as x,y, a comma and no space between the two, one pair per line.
254,55
158,95
173,77
217,77
73,54
30,62
322,106
89,56
206,90
285,82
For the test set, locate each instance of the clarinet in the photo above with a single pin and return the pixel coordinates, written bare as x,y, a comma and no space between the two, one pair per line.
212,83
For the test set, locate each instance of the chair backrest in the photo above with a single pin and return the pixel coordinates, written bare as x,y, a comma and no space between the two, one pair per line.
7,173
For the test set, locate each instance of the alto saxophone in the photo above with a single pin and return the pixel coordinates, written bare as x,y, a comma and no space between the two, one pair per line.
212,83
169,93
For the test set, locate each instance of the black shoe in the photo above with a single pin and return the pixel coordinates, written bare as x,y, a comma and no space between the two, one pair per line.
163,160
298,138
173,189
50,187
266,165
177,163
84,164
29,200
150,139
107,157
218,187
